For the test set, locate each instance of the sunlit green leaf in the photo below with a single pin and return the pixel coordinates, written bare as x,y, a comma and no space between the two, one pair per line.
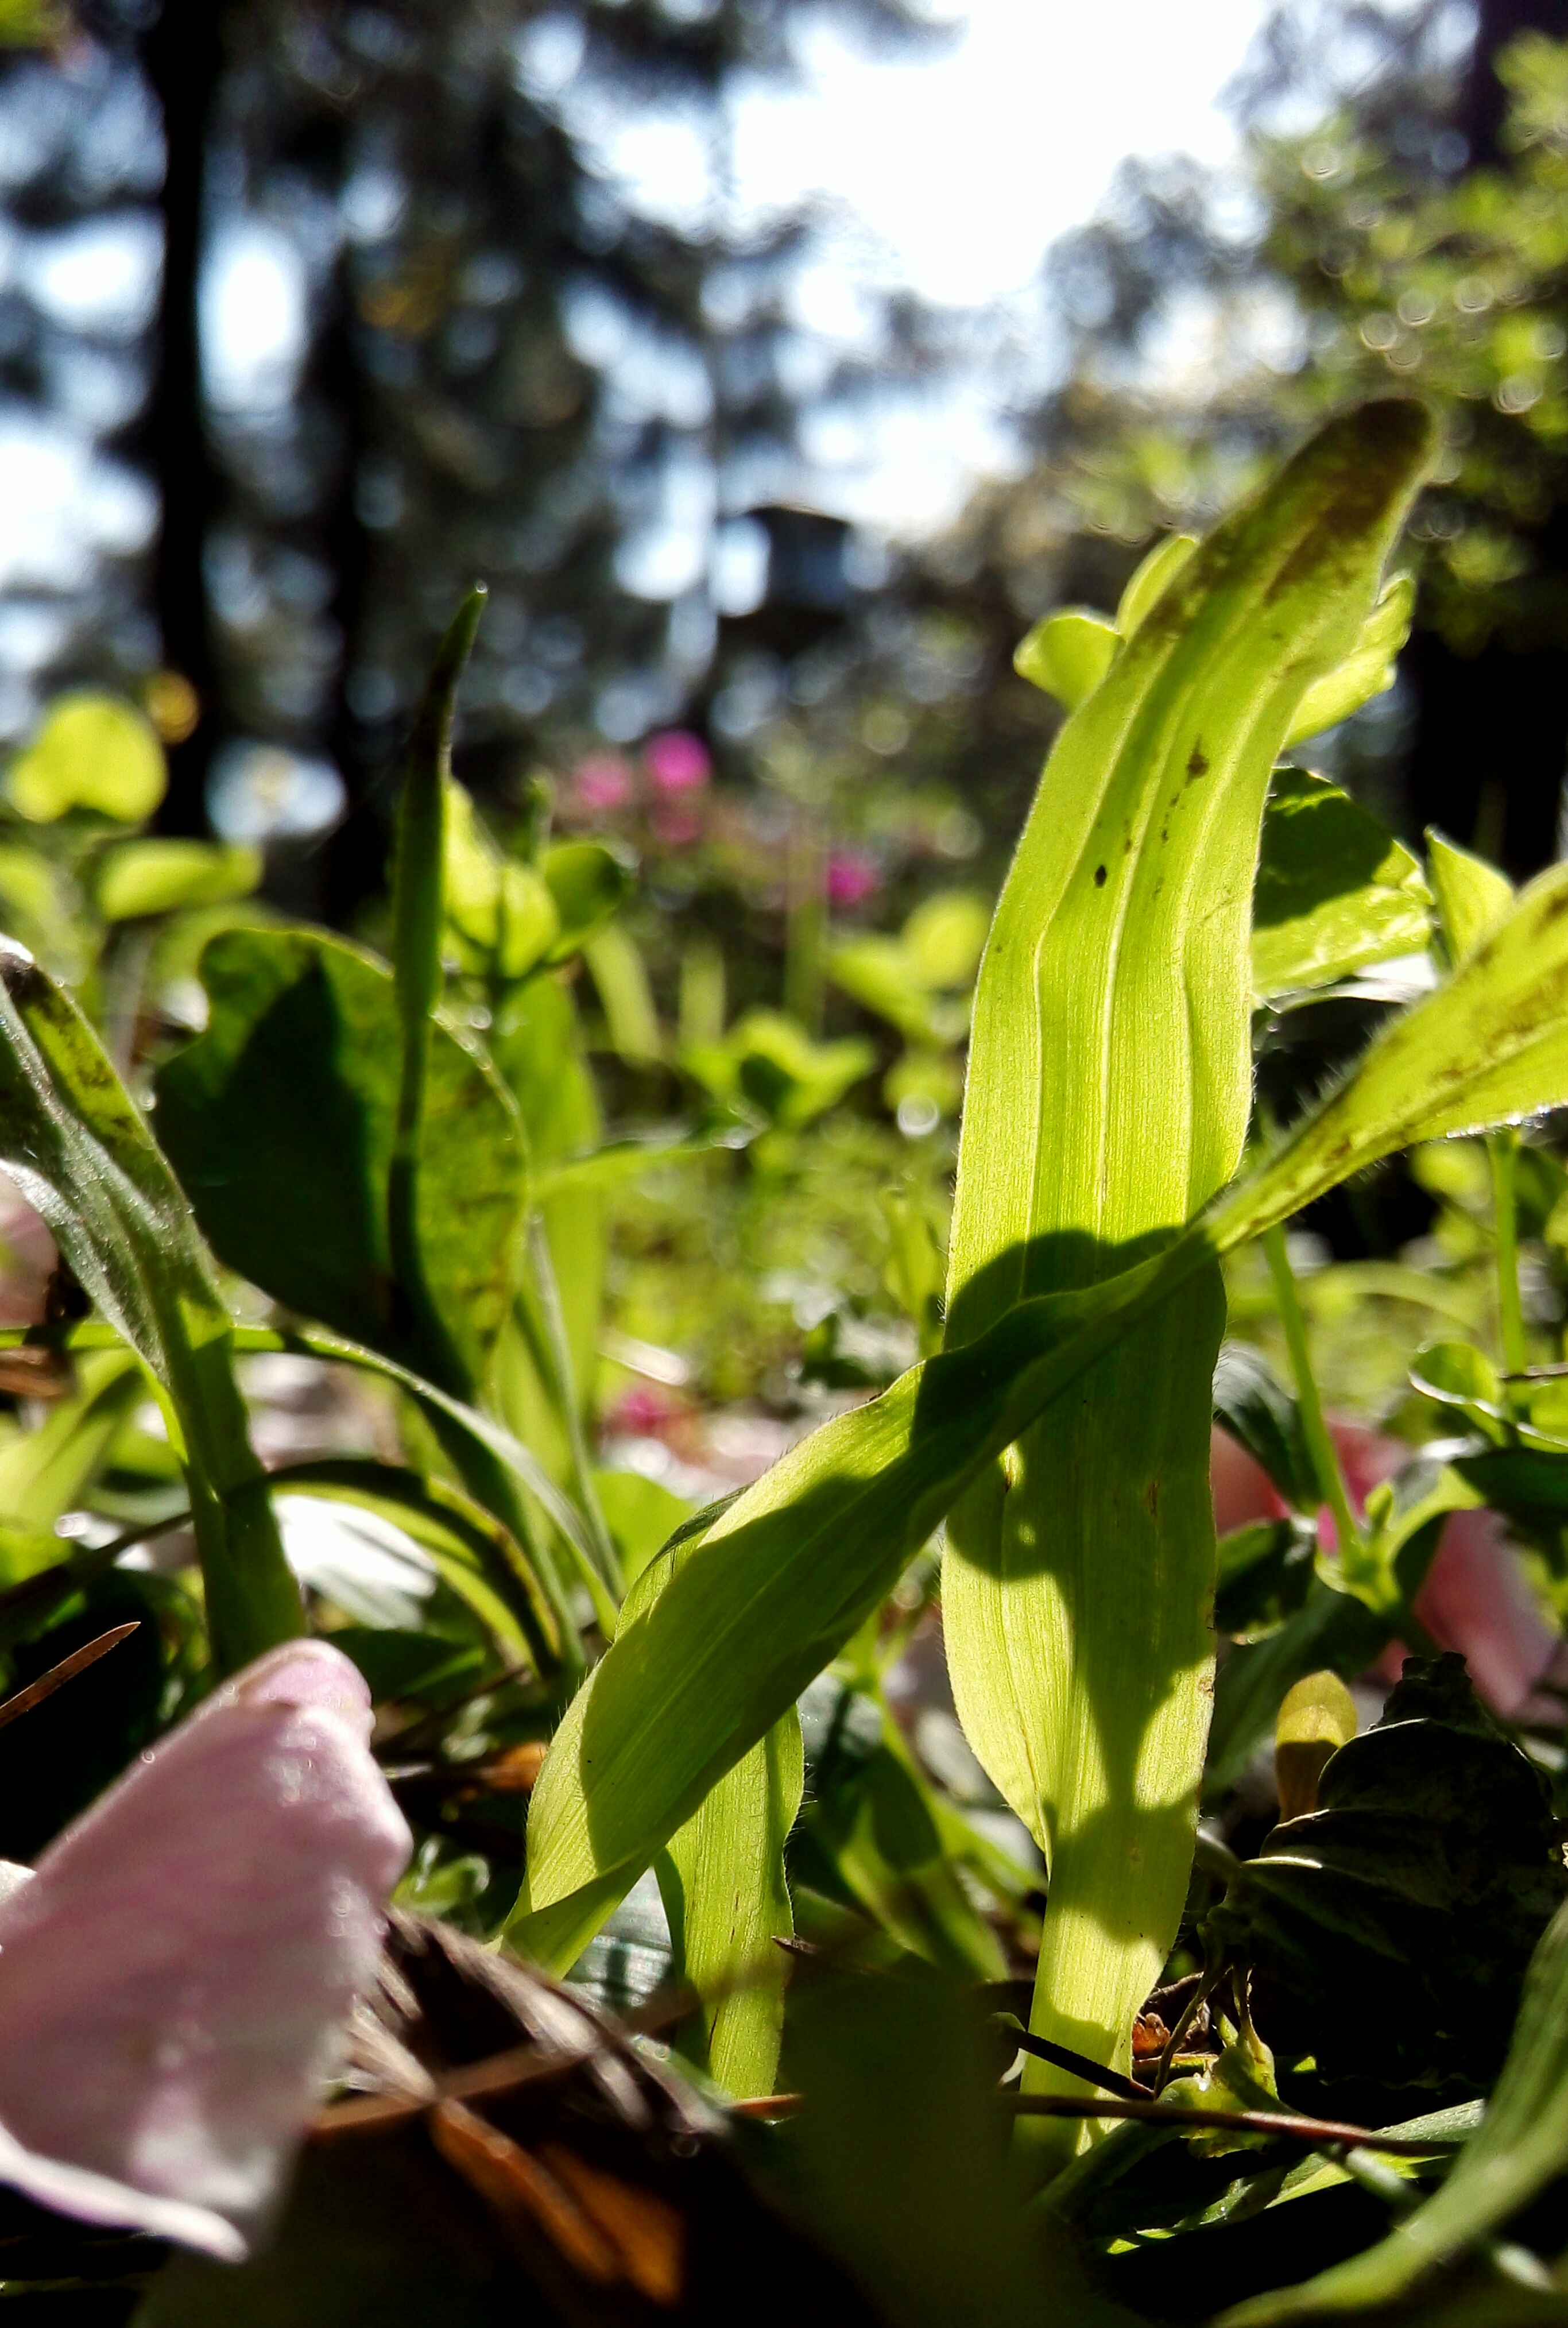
1334,891
160,876
92,752
619,973
795,1564
1366,671
589,883
1472,897
499,915
1107,1100
1067,655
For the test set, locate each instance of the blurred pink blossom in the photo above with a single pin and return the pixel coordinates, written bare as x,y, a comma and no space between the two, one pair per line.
852,877
643,1409
1476,1597
604,781
27,1258
176,1976
675,825
677,761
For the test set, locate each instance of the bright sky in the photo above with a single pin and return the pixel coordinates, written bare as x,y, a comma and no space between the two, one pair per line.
966,165
951,171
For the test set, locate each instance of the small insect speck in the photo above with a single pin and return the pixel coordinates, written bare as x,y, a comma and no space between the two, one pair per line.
1099,876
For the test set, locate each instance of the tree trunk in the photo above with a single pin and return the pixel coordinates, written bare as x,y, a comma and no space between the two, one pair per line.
184,56
1498,22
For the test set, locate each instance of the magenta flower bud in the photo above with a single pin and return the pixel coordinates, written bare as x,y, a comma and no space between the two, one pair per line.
602,781
677,761
176,1978
852,877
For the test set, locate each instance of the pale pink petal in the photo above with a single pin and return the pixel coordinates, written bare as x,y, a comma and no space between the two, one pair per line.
28,1258
1477,1599
176,1980
1243,1490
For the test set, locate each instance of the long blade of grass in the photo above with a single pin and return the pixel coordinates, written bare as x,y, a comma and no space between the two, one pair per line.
73,1141
795,1564
1110,1082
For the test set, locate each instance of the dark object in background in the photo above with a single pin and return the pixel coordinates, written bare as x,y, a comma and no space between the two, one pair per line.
603,2190
60,1759
1389,1930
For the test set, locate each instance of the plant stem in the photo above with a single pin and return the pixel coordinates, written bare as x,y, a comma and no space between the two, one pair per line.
547,1293
1320,1445
1503,1149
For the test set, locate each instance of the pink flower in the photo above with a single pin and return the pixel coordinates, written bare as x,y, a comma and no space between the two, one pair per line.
852,877
677,761
27,1258
176,1976
675,826
1476,1597
604,781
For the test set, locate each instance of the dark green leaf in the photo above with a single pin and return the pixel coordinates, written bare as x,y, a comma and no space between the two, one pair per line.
1397,1918
1520,2146
1253,1405
589,884
294,1088
899,2158
1265,1574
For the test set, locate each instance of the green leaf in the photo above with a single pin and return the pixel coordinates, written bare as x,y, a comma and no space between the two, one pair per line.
1473,898
641,1515
944,937
911,979
536,1044
1399,1916
1151,578
1108,1095
616,967
44,1473
769,1063
899,2158
294,1087
1067,655
1253,1405
915,1272
1334,891
873,1818
159,877
1265,1574
473,1553
589,884
722,1876
1489,1047
72,1141
1457,1374
799,1561
1520,2146
1366,671
39,906
92,752
500,915
1331,1629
